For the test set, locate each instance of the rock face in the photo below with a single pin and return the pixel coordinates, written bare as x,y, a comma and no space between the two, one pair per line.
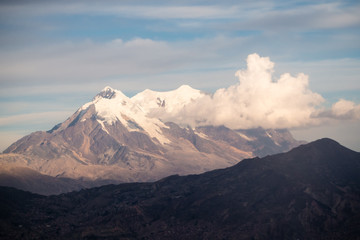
311,192
114,137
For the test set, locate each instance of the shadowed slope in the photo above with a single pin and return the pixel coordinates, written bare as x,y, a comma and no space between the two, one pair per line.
311,192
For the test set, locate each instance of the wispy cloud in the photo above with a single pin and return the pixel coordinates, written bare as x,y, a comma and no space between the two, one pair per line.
307,18
33,118
249,14
144,10
89,61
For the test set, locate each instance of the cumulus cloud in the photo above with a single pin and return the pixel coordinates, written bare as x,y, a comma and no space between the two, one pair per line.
346,108
259,100
342,109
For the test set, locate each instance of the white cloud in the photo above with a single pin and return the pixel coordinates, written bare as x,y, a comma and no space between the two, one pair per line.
342,109
258,100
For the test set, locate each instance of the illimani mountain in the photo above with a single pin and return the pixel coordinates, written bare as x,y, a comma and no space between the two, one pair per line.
310,192
114,137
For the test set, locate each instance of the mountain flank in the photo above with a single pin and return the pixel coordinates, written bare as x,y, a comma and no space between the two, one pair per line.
310,192
114,137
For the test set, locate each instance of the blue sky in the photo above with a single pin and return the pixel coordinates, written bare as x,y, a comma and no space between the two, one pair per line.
56,55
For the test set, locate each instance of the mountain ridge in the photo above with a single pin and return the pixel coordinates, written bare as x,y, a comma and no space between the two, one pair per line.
283,196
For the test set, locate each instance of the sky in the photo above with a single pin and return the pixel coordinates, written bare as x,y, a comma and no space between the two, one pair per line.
296,64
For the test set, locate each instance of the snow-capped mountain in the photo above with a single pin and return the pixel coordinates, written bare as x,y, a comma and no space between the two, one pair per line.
112,106
117,137
170,102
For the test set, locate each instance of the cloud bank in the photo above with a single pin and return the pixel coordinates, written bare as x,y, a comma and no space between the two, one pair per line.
259,100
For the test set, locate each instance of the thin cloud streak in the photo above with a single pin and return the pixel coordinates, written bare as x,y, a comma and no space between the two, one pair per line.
89,61
33,118
161,11
263,16
307,18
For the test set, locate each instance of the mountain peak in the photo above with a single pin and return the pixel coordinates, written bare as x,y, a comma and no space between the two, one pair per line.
324,144
110,93
108,88
170,101
107,92
326,141
186,88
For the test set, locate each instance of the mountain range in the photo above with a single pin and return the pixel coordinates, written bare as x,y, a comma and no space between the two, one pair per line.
114,138
310,192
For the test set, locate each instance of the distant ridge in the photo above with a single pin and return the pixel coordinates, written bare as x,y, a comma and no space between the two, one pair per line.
310,192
